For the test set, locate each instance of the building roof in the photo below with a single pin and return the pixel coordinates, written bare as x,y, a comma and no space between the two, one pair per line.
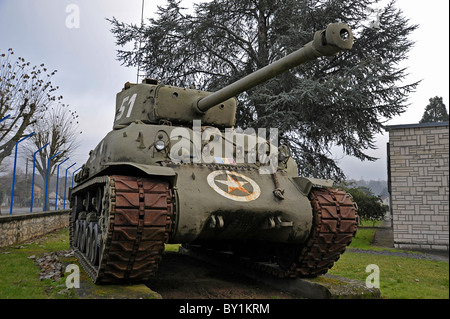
416,125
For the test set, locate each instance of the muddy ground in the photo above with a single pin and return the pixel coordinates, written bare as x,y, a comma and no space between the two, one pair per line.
183,277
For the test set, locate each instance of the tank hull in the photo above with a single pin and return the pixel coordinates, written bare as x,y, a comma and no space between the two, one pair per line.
209,208
213,200
131,200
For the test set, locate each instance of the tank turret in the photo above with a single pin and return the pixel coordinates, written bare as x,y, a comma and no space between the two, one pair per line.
154,180
152,102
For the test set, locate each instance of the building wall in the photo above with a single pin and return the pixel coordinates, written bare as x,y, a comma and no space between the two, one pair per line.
418,158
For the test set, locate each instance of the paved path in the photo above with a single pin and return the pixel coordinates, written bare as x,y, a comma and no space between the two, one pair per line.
426,255
384,238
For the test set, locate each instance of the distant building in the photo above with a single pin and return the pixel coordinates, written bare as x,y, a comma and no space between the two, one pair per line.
418,182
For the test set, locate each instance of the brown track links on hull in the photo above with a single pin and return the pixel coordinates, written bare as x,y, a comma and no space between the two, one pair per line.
139,214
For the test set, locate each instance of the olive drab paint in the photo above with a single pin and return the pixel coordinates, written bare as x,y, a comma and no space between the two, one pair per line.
227,185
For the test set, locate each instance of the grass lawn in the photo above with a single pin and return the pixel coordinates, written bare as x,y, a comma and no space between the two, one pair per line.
19,275
400,277
364,236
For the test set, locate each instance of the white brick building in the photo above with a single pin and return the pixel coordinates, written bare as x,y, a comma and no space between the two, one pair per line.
418,173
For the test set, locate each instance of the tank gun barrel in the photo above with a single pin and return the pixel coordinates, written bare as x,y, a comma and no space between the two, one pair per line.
335,38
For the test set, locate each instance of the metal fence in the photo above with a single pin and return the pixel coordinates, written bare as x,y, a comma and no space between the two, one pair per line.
46,199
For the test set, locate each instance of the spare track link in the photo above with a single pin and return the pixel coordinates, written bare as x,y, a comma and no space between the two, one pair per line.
334,226
140,221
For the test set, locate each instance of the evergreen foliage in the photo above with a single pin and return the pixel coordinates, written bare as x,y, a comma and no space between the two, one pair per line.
335,101
435,111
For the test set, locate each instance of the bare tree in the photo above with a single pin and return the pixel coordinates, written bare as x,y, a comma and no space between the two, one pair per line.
25,92
5,182
59,129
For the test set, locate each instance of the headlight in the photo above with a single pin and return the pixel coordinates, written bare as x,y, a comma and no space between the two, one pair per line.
160,145
283,153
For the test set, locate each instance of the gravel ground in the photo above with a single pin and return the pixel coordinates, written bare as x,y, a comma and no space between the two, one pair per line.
437,256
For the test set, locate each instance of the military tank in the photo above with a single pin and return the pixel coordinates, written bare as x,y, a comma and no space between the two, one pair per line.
174,170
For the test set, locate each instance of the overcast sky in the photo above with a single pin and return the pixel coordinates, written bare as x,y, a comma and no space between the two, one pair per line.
89,76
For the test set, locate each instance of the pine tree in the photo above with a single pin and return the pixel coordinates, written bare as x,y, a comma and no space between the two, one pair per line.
435,111
335,101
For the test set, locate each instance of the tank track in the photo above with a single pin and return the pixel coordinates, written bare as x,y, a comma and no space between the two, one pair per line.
120,237
334,226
